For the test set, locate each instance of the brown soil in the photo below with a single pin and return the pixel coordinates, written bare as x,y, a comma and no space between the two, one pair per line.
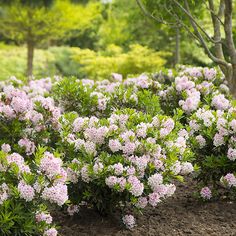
180,215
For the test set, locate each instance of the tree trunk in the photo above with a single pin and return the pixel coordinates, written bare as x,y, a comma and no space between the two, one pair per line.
177,46
233,80
30,58
230,76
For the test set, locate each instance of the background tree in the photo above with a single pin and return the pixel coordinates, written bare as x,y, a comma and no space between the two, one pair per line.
39,22
123,24
217,41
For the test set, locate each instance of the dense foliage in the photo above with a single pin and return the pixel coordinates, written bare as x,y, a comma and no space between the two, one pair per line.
115,144
127,159
79,62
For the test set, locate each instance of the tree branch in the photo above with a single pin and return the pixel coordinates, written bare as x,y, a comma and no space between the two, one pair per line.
216,26
211,8
195,22
186,10
151,16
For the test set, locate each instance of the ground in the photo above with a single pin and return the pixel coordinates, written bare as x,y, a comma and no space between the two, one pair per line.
180,215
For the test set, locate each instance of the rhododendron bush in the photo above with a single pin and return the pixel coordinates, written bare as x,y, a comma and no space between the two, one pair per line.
212,135
26,189
28,118
193,88
101,98
117,144
128,159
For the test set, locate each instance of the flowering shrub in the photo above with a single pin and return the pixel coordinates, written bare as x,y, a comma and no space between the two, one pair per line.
212,135
126,160
121,148
26,190
101,98
194,87
28,118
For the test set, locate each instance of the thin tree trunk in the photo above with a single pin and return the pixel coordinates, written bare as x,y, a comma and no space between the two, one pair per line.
230,43
177,46
30,58
232,80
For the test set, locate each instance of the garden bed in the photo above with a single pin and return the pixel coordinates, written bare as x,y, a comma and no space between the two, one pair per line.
181,214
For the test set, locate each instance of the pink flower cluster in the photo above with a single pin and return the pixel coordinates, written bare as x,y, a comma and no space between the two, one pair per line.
19,161
228,180
73,209
28,145
16,103
219,102
129,221
47,218
52,167
56,194
26,191
50,232
206,193
4,193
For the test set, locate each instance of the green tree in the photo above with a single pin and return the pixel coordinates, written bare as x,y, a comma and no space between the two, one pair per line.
216,40
39,22
124,24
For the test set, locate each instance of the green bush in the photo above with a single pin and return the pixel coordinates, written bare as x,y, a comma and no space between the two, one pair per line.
135,61
13,62
73,61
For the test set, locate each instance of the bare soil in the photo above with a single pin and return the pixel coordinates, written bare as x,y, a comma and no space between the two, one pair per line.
181,214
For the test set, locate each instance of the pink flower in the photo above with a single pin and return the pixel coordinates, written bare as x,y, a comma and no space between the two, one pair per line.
78,124
50,165
15,158
231,154
98,167
8,111
229,180
26,191
114,145
155,180
111,181
43,217
218,140
72,209
201,141
136,186
28,145
117,77
90,148
209,73
118,168
85,174
56,194
129,148
6,148
220,102
154,199
102,104
20,104
206,193
186,168
128,221
232,124
50,232
142,202
4,193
